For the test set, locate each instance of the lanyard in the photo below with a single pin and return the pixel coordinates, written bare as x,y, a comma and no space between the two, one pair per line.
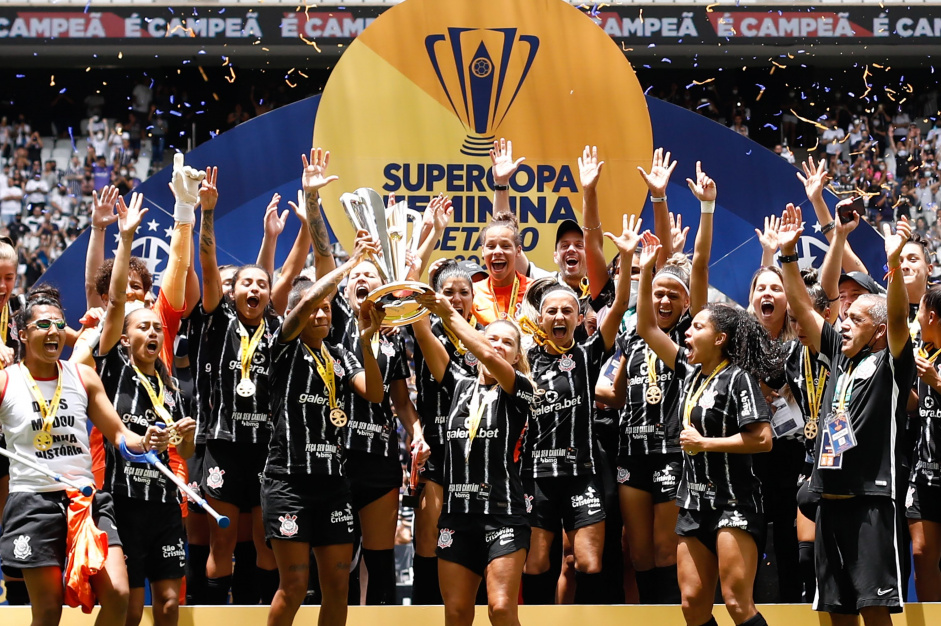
844,388
503,315
585,289
5,323
540,337
477,407
457,343
325,369
48,411
924,354
248,346
156,398
693,398
814,390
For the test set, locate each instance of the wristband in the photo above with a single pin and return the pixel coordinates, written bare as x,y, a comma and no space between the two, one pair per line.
660,199
707,206
501,187
789,258
184,213
591,228
828,227
101,228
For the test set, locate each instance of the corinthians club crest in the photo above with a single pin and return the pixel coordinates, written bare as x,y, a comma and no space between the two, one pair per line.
481,70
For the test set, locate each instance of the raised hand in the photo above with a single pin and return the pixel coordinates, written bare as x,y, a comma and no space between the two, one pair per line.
895,243
769,238
129,217
847,228
814,179
704,188
630,235
589,167
102,207
370,319
314,175
208,191
441,212
649,251
791,229
501,155
435,302
678,234
274,224
185,187
300,209
660,171
364,246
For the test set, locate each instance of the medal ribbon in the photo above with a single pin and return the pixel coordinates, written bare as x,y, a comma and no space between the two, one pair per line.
924,354
248,347
586,290
156,399
540,337
692,398
844,388
476,414
325,369
513,295
814,390
4,323
48,411
651,368
457,343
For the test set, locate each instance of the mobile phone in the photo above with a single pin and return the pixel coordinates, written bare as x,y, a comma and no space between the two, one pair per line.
845,209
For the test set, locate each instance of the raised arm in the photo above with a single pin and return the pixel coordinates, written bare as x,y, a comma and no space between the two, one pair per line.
274,226
832,262
433,352
896,294
178,265
293,265
503,168
798,299
657,181
368,384
705,191
102,216
313,178
441,211
129,218
647,327
626,244
589,170
769,239
212,280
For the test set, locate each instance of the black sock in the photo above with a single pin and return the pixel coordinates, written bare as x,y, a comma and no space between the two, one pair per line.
16,593
589,588
646,586
539,588
712,622
196,574
268,581
217,590
380,587
756,620
667,587
425,588
245,588
807,569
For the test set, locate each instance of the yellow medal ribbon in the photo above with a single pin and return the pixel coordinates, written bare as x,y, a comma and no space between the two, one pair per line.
653,395
511,305
457,343
586,290
374,344
5,323
43,440
540,337
814,389
249,346
326,372
924,354
476,414
692,398
844,388
156,399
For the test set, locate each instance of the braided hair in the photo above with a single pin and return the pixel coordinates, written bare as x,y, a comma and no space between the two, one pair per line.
748,344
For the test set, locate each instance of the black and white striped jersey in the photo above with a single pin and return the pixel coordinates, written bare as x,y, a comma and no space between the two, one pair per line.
483,475
139,481
232,417
303,439
202,375
798,383
434,399
559,439
926,468
731,401
645,427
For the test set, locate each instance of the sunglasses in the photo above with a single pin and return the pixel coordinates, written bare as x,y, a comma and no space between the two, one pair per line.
46,324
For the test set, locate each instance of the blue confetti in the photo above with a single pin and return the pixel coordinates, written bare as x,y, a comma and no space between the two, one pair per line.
771,126
72,137
646,91
704,104
21,75
665,60
748,153
87,6
171,10
177,113
222,10
653,45
171,98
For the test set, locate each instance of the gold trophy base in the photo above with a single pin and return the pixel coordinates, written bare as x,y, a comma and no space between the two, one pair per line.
398,302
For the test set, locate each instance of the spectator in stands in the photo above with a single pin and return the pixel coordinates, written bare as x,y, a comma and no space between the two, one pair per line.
11,198
833,138
6,139
50,174
879,125
101,172
158,137
135,132
36,190
73,176
34,148
738,125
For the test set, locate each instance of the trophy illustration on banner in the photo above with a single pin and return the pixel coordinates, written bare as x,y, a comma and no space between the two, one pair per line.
391,228
481,76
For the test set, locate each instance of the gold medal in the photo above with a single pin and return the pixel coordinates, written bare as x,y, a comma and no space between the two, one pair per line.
810,429
42,441
653,395
692,398
245,388
175,437
338,418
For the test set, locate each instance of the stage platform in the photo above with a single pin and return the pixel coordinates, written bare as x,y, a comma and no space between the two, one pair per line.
777,615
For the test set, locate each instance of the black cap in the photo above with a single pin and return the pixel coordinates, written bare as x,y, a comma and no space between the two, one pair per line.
473,269
567,226
865,281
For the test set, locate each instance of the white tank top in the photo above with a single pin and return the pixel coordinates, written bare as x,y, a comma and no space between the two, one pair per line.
21,420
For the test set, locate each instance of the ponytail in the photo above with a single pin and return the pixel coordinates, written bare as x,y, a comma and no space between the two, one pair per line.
748,344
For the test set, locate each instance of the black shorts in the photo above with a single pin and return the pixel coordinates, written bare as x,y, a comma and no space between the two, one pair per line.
705,525
856,555
475,540
657,474
434,466
35,526
312,509
232,473
195,466
371,476
153,538
923,503
568,502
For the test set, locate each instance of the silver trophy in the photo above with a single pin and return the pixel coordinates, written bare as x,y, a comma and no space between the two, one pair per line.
397,229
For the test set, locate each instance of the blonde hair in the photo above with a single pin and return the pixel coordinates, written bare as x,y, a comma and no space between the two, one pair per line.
8,252
522,366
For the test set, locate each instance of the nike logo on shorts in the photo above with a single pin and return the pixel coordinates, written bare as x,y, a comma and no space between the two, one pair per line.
593,511
506,541
882,592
